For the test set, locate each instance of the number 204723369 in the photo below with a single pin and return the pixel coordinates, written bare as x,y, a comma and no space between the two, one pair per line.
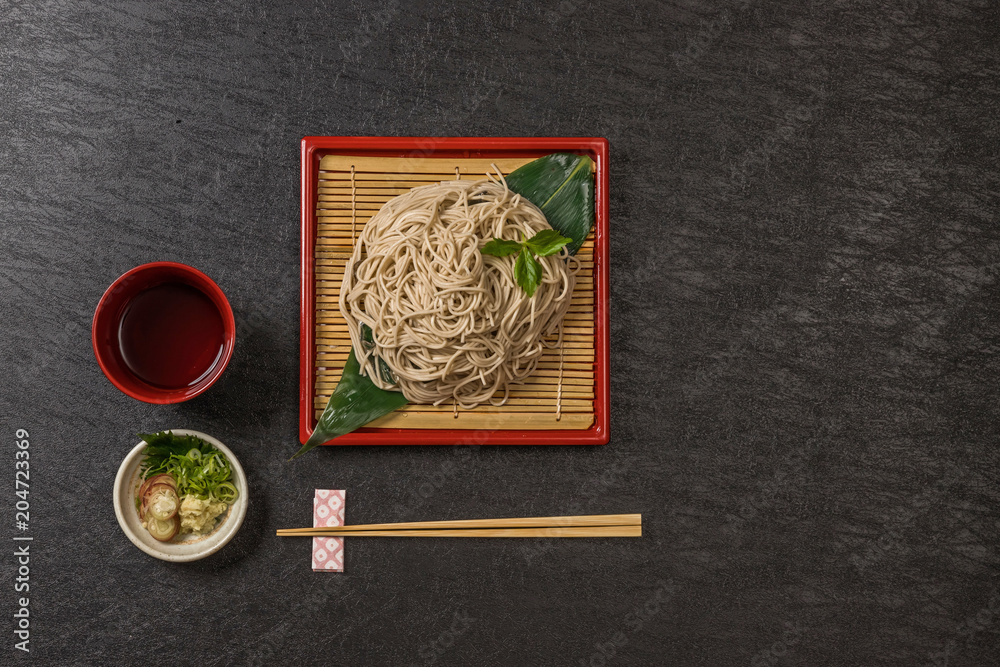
22,480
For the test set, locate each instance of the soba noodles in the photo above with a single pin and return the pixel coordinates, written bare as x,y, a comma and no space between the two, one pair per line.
451,324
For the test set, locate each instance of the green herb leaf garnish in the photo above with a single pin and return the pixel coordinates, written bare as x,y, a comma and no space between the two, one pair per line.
501,248
527,270
547,242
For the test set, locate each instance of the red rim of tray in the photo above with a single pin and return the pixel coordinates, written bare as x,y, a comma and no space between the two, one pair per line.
313,148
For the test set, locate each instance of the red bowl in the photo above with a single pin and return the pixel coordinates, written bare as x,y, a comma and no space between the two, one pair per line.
108,316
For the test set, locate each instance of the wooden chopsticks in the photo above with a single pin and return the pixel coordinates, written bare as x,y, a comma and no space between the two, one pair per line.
601,525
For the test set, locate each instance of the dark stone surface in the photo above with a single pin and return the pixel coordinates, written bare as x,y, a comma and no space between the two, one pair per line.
804,314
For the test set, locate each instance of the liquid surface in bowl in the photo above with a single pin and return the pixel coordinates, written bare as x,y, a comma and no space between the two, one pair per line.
171,335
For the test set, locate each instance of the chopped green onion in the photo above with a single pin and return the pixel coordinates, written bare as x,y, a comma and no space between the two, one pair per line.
199,468
226,492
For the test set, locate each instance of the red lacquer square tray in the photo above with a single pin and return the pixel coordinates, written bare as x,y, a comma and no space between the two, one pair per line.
344,181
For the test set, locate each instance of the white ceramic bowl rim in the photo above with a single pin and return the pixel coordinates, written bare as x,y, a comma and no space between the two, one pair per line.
180,552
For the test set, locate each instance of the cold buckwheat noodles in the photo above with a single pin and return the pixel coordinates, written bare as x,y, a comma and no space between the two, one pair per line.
451,324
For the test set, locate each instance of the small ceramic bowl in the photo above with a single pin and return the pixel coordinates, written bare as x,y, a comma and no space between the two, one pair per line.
184,548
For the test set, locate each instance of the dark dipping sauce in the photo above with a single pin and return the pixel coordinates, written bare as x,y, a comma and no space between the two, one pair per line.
171,335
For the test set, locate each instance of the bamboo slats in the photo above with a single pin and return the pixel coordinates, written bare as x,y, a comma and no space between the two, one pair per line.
350,191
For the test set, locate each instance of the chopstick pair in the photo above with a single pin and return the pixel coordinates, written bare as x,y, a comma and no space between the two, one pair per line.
600,525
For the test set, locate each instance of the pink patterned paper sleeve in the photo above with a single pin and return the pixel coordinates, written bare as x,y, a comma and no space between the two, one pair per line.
328,510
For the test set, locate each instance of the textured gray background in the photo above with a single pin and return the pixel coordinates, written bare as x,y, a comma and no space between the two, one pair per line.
804,329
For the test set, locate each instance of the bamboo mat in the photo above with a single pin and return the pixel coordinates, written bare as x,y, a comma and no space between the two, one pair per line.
346,201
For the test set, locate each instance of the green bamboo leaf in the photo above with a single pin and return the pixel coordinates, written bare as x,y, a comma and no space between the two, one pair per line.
539,179
355,402
368,342
562,186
